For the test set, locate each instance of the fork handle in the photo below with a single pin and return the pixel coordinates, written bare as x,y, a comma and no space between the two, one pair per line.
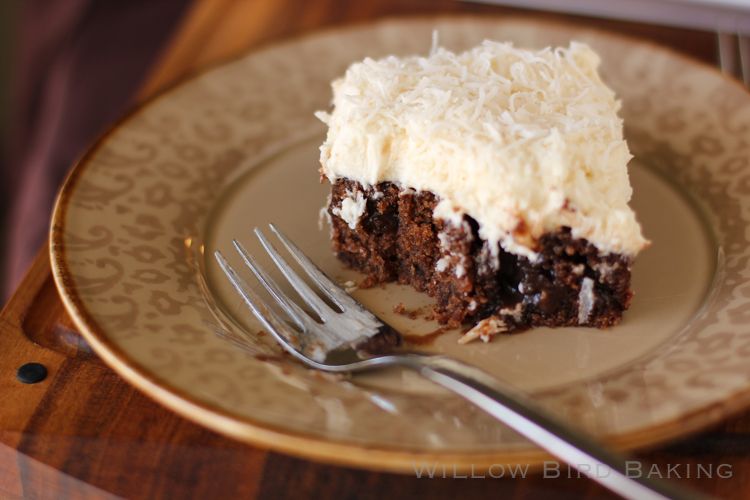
525,417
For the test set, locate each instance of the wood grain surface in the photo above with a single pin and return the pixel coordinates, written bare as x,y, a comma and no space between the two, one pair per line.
84,433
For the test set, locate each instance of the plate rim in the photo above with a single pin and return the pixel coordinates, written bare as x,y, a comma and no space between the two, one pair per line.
332,450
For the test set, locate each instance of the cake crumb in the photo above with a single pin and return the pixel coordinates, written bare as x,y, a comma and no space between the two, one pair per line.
401,309
368,282
430,315
349,286
484,330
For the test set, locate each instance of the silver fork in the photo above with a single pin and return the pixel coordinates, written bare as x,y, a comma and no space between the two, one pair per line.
352,339
734,55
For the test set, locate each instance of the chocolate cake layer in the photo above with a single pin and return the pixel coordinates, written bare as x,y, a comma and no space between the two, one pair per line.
394,237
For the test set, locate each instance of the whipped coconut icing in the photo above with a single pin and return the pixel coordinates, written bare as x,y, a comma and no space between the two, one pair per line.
351,209
525,142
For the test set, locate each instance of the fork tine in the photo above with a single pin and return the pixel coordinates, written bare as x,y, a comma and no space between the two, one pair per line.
292,309
328,338
727,53
305,292
331,289
744,47
284,335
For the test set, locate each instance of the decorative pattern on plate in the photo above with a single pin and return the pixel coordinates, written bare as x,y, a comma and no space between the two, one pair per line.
132,224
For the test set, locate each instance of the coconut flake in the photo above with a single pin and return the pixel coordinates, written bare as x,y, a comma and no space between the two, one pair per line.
484,330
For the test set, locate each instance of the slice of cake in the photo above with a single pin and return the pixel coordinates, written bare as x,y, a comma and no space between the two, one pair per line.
494,180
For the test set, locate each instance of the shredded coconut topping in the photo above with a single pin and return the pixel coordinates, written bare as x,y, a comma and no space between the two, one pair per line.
484,330
505,135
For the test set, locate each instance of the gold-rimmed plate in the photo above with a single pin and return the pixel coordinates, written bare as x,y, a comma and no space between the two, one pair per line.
140,215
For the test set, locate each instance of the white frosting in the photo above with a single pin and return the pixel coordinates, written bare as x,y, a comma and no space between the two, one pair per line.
442,264
517,139
351,209
586,299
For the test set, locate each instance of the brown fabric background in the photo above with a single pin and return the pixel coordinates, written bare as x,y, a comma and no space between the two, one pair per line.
76,67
